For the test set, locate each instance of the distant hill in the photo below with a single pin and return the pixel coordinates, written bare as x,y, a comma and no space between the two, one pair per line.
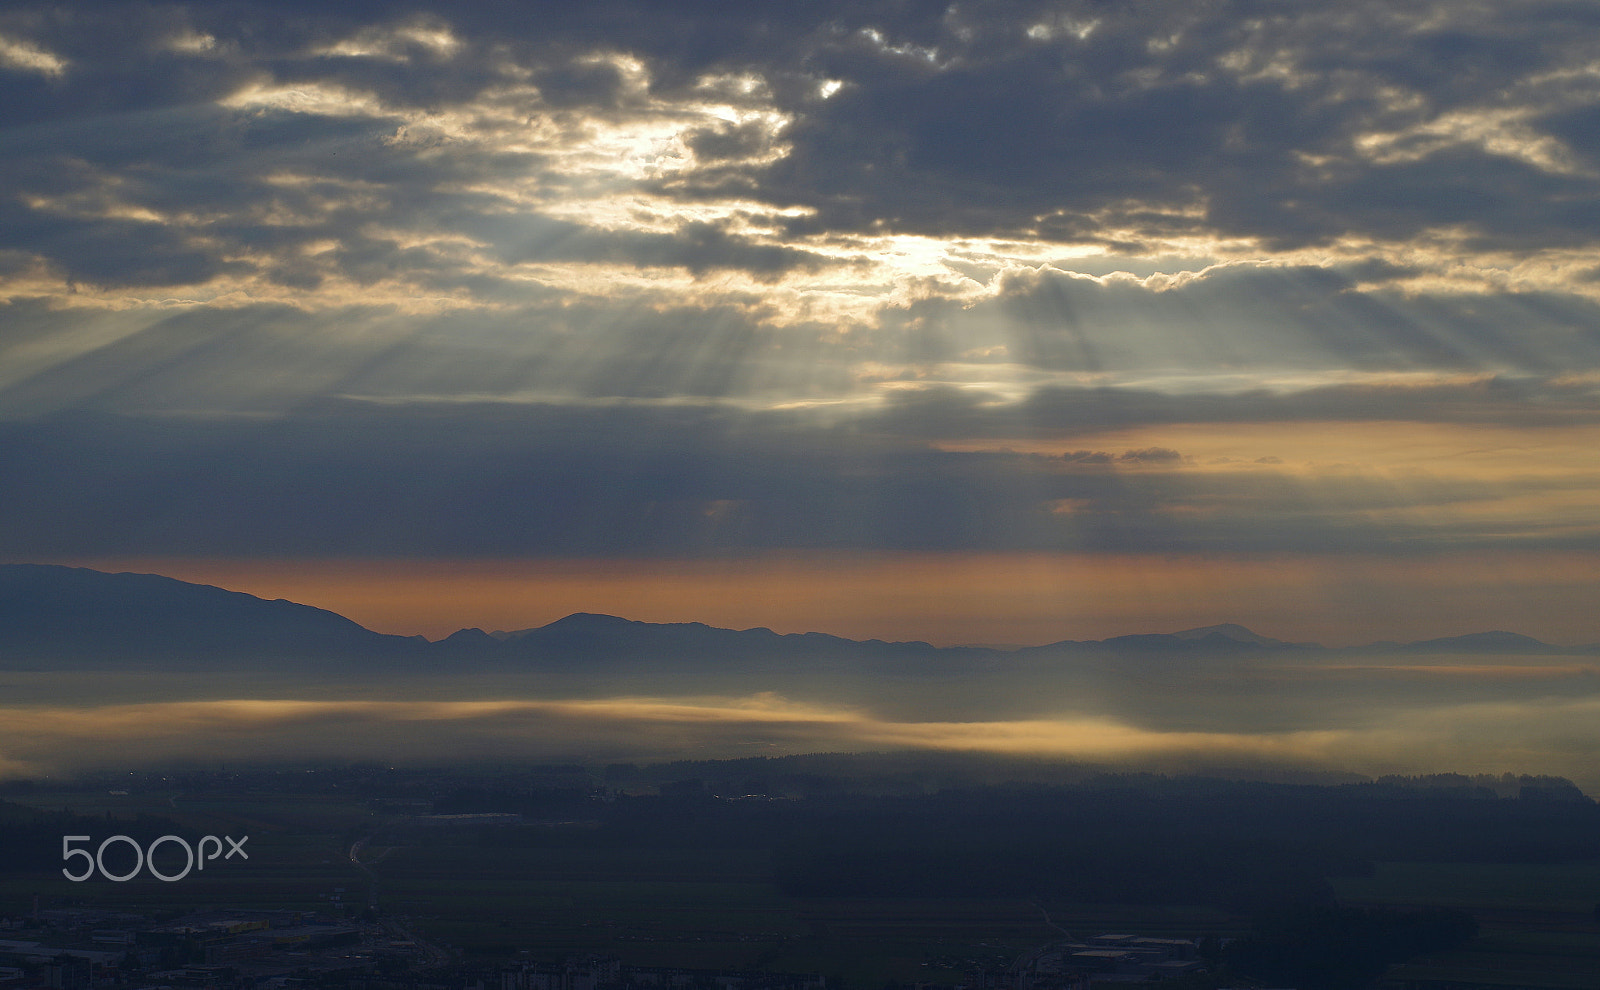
584,637
1230,631
1227,637
1484,642
83,617
77,618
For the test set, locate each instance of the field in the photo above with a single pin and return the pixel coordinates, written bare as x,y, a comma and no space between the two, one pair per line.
720,909
692,907
1486,888
673,895
1540,921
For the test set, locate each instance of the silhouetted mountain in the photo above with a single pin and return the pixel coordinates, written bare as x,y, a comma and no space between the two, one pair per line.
584,638
1484,642
1226,637
51,614
1171,643
1230,631
66,616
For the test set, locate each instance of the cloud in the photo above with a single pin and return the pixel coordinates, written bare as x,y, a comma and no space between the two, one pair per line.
698,246
1151,455
1250,317
1162,123
649,478
455,160
1066,413
627,279
241,145
1154,126
25,56
1482,737
1087,457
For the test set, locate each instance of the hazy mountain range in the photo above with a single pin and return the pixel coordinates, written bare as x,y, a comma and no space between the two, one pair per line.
99,669
54,617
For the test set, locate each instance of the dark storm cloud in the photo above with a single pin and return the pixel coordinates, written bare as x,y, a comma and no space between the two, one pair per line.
498,480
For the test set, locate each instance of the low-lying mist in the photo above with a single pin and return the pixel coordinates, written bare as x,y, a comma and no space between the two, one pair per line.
1362,714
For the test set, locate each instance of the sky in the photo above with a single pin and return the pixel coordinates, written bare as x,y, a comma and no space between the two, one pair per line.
1000,323
968,323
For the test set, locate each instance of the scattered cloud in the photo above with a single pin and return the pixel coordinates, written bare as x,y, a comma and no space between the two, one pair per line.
1151,455
24,56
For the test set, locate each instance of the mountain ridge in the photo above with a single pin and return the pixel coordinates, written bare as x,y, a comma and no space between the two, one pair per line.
75,614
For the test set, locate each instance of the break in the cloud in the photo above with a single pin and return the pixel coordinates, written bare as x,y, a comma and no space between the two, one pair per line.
631,280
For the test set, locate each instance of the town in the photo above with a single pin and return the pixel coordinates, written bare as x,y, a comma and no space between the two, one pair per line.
238,949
